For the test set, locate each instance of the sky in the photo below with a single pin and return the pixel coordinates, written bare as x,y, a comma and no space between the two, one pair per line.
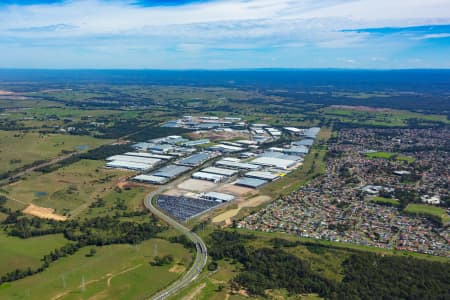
224,34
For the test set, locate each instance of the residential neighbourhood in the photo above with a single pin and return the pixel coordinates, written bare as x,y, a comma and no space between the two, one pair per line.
340,206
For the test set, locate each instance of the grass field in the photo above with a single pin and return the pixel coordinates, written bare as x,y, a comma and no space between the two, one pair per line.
388,155
19,253
18,149
433,212
67,189
385,201
133,199
114,272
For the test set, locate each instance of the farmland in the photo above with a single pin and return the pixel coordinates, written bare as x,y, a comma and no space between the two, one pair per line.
67,189
18,148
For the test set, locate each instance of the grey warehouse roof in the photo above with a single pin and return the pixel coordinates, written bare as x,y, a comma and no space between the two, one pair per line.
151,179
312,132
237,165
171,171
194,159
275,154
251,182
262,175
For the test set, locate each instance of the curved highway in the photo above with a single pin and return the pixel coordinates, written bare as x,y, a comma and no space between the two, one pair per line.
200,259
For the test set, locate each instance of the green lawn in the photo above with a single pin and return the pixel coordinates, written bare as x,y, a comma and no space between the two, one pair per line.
385,201
434,212
114,272
388,155
18,149
19,253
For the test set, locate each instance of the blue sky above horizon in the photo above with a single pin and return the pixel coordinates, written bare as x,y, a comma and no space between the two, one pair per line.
202,34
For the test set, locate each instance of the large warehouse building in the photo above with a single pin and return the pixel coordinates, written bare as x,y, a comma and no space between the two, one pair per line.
220,171
236,165
170,171
219,197
195,159
262,175
151,179
251,182
149,155
136,159
128,165
274,162
208,176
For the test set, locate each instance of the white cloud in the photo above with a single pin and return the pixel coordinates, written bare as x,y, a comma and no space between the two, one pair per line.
433,36
95,17
101,26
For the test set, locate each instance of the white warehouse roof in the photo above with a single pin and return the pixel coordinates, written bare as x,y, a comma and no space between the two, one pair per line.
148,155
218,197
136,159
128,165
208,176
273,162
237,165
219,171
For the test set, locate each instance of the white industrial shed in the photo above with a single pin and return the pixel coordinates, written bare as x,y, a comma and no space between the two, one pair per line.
273,162
219,197
151,179
149,155
236,165
220,171
118,164
136,159
208,176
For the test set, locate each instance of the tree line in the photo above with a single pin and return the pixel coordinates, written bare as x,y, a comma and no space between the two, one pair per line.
366,275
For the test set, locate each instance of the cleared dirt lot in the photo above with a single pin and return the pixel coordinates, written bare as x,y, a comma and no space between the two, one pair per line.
174,192
195,185
253,202
218,135
43,212
238,191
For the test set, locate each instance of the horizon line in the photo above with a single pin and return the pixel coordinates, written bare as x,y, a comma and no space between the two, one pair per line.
228,69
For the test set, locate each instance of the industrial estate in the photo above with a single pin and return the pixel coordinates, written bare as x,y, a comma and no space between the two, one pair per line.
214,172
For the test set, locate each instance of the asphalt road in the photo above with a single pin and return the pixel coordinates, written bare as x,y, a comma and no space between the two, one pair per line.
200,259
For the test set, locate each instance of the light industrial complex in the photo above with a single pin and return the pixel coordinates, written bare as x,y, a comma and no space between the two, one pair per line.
243,162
